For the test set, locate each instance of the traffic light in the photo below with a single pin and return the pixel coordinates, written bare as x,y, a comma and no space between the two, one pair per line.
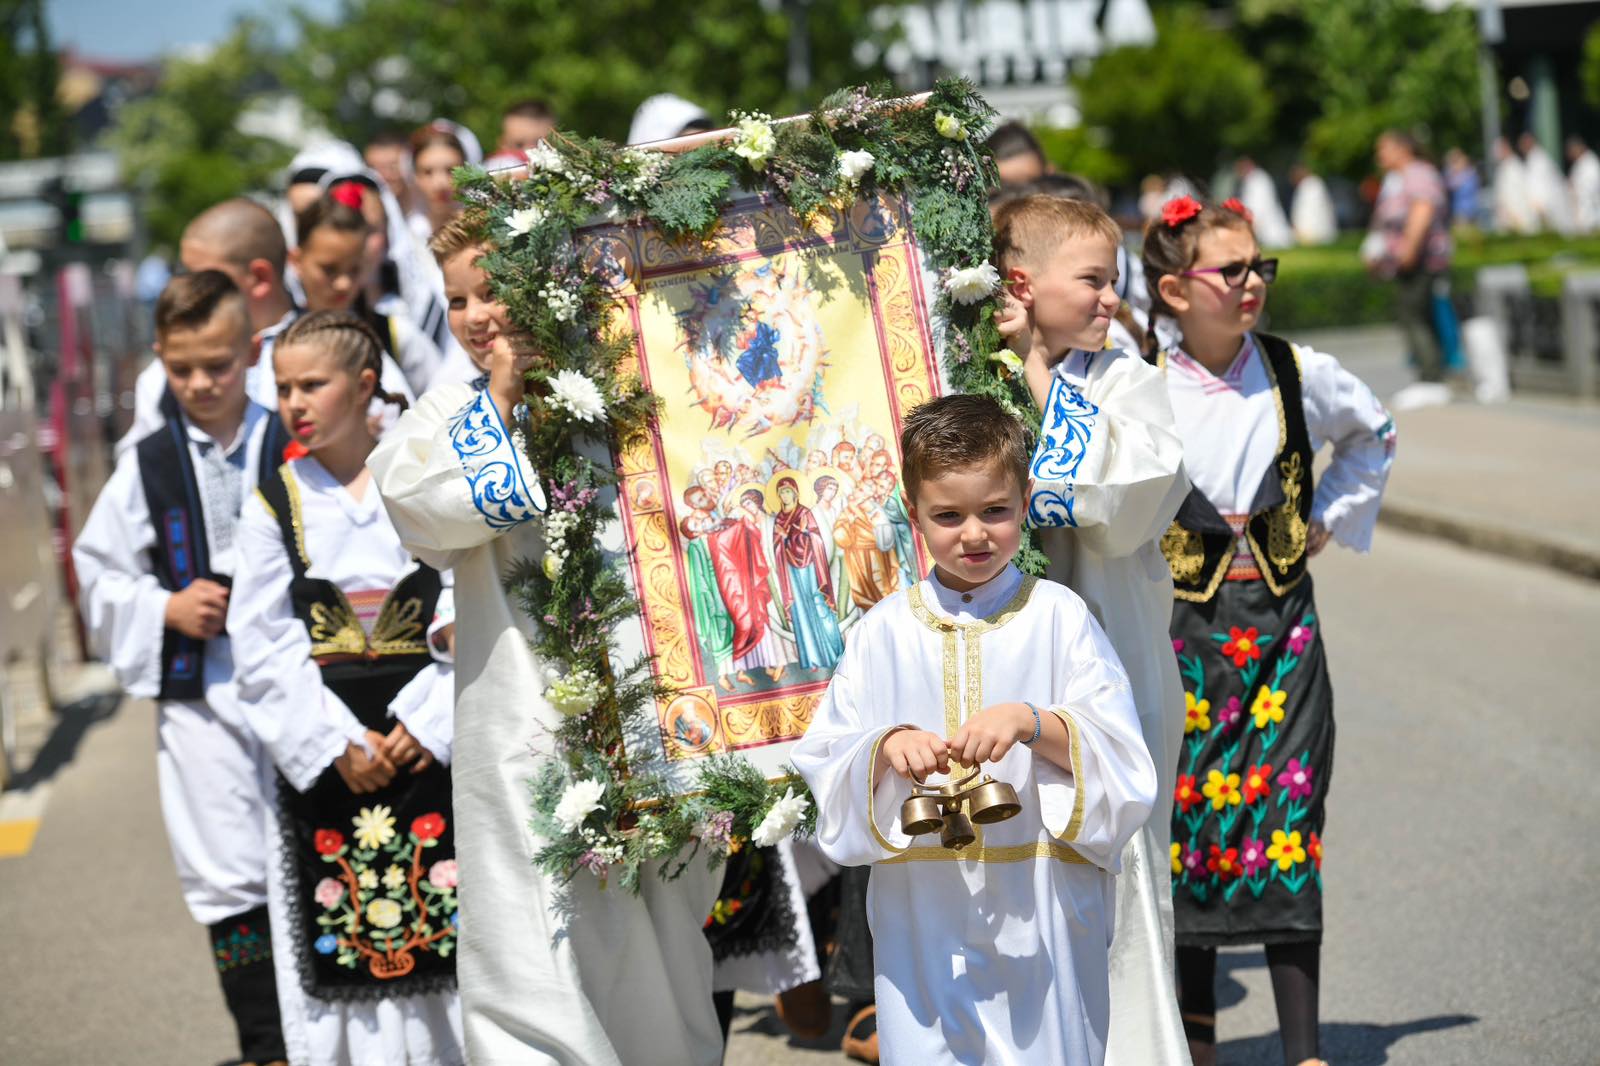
69,211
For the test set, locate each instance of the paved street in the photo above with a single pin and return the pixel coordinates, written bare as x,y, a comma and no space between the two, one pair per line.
1461,856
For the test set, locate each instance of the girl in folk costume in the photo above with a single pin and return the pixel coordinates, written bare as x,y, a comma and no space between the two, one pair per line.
337,678
1253,411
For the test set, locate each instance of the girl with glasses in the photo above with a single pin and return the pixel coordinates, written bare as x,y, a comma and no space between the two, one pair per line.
1253,411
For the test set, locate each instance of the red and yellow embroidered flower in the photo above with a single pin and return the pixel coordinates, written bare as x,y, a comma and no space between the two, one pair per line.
1177,211
1196,714
428,827
1185,795
1177,861
1242,645
1258,782
1225,864
1234,204
1268,706
1285,849
1221,791
328,841
1316,850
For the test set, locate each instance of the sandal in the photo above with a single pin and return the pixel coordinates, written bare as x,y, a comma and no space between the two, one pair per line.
861,1036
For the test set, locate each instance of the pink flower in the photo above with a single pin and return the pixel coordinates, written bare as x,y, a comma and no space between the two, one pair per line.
1230,714
1297,779
1177,647
1300,638
1253,856
442,874
328,893
1194,862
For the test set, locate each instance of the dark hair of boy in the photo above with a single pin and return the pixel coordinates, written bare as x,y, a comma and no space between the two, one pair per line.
533,108
327,212
191,300
389,137
1011,139
953,432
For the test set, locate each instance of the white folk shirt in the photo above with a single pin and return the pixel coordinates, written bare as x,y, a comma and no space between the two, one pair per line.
612,979
1107,480
1229,426
304,727
207,763
998,953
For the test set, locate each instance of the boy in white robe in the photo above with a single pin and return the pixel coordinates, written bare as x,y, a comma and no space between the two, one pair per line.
154,563
616,979
1107,480
995,951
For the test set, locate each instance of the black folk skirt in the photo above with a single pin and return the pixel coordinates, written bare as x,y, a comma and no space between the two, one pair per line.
1253,769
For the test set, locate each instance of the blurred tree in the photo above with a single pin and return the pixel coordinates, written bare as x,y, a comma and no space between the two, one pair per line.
402,62
1591,67
30,73
181,146
1180,103
1344,72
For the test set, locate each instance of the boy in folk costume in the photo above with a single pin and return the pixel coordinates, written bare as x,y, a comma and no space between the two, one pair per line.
1107,479
155,561
996,952
617,979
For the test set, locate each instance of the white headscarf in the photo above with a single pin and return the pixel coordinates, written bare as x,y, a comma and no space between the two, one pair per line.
468,139
664,116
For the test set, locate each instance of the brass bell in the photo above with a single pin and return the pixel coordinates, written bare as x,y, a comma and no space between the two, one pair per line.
958,831
992,801
921,814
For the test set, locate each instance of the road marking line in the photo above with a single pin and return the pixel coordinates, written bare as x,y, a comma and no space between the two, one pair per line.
20,816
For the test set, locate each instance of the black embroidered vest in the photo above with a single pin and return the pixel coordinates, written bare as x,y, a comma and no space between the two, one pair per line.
172,493
1199,545
351,659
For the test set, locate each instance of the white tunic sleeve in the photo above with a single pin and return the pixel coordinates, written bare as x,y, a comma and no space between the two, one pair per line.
302,724
1342,410
1105,798
124,606
427,707
451,477
147,390
858,816
1110,467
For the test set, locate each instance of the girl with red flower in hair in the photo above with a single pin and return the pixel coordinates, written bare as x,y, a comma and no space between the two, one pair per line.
1253,412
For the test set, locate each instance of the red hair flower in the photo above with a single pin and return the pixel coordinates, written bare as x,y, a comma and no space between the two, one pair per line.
1234,204
1178,211
347,193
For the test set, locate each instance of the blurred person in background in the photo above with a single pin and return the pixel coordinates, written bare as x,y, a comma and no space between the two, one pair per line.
1311,211
523,125
436,150
1512,211
1259,193
1547,188
1584,177
388,153
1462,179
1410,244
664,116
1017,155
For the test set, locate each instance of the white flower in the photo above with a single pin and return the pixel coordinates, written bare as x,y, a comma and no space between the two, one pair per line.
374,826
574,694
523,219
756,142
544,157
780,820
579,395
580,798
552,565
563,305
383,913
969,285
394,877
853,165
949,126
1008,359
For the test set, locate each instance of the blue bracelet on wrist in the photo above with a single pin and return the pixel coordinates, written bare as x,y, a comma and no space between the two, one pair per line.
1038,724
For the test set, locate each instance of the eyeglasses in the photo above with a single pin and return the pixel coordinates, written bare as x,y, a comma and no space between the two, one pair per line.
1234,274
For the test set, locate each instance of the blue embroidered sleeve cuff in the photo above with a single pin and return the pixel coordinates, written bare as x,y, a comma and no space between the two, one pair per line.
501,490
1064,436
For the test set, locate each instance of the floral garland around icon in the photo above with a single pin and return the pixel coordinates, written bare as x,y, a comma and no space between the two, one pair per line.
600,807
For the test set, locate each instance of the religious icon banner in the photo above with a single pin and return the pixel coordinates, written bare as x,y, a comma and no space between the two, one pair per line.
765,515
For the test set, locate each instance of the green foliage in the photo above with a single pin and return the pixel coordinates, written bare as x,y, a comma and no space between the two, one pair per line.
1181,103
31,114
181,145
1083,152
1590,69
1372,65
594,61
1327,287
